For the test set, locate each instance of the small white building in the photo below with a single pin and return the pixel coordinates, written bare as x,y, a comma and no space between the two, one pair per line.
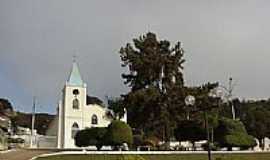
75,113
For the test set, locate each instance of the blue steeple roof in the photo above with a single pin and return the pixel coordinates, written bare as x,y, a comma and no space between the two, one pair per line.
75,76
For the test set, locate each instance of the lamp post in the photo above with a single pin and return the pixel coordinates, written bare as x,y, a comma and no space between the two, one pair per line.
189,101
229,95
214,93
33,122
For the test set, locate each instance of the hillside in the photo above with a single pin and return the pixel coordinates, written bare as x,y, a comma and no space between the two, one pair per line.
42,121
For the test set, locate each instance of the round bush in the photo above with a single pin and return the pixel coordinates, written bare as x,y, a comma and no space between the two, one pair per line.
118,133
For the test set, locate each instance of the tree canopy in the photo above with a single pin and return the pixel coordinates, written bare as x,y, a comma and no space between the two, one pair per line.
155,76
116,105
256,117
232,133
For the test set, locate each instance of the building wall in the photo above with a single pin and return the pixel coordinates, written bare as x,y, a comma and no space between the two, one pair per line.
81,116
97,110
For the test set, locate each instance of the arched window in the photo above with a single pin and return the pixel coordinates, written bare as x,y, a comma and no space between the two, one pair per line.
74,129
94,119
75,104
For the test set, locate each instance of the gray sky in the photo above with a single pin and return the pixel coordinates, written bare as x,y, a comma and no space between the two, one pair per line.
38,38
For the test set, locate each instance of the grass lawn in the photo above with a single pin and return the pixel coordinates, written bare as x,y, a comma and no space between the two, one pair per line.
255,156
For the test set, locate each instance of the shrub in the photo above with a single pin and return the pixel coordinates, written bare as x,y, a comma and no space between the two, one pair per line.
151,141
91,136
137,140
118,133
232,133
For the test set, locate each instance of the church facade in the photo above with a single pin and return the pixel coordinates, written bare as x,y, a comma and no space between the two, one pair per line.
75,112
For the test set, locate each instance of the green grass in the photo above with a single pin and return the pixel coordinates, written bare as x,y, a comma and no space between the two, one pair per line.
255,156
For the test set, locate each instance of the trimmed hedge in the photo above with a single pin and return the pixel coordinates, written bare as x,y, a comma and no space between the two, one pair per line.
118,133
90,137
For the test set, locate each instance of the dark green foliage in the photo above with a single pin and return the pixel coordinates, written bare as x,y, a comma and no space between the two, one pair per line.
137,140
232,133
155,78
91,137
256,117
148,59
81,138
118,133
190,130
254,114
204,102
5,107
116,105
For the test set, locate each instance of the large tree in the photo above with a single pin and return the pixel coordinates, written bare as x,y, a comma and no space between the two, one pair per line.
155,76
256,118
190,130
204,112
116,105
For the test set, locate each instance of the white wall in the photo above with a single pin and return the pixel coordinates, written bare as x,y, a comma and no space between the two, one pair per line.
81,116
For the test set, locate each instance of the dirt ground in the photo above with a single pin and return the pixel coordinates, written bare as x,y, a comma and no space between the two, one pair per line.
22,154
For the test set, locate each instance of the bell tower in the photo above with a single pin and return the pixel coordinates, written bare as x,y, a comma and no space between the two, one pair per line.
71,108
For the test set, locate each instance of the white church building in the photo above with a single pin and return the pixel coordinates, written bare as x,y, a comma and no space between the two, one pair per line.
75,112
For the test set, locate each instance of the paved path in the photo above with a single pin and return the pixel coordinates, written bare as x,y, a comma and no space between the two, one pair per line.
21,154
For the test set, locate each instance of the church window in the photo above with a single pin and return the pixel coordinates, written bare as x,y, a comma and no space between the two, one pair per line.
94,119
74,129
76,104
75,92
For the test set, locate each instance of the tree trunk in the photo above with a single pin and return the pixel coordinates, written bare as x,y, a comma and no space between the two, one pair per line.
261,143
167,136
193,146
212,135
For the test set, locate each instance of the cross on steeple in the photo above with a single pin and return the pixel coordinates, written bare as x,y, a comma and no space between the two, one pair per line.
74,57
75,76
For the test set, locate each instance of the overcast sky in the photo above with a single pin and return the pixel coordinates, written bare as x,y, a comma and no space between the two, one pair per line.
38,38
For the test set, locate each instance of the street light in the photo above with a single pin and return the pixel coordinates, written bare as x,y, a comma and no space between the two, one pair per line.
189,101
214,93
229,95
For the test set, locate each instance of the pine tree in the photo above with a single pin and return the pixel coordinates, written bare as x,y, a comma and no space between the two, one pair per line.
155,76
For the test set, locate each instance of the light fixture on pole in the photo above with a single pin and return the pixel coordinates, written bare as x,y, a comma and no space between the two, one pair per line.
33,122
214,93
189,101
229,95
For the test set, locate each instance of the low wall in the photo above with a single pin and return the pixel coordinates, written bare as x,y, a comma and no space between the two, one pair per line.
146,152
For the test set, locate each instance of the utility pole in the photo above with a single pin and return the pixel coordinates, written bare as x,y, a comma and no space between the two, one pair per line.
230,89
33,121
